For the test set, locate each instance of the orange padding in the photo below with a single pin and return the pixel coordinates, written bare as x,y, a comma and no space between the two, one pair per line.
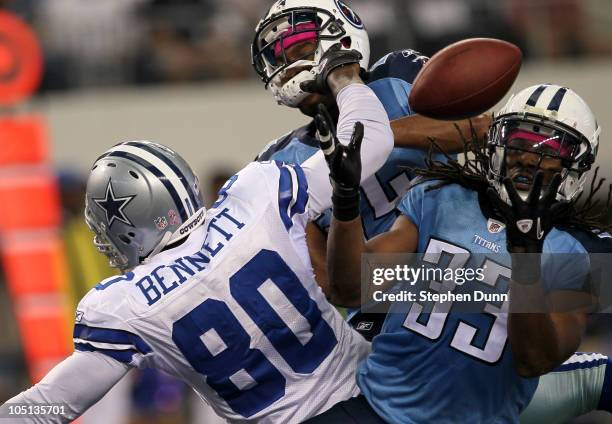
41,367
45,335
28,201
34,264
24,140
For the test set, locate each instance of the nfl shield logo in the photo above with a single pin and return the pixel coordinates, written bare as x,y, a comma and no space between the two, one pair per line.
161,222
495,226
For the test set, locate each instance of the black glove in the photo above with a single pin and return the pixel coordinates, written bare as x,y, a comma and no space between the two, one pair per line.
529,221
333,58
344,165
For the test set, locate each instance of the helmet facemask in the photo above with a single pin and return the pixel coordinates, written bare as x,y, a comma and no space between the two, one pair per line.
314,30
103,244
545,139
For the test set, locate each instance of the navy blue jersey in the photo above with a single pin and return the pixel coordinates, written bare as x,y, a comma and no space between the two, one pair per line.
594,241
391,79
452,366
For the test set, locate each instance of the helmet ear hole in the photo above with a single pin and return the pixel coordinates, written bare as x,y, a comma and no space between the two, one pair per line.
346,42
125,238
133,174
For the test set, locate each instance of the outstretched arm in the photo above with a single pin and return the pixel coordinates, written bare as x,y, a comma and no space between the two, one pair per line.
415,131
357,103
78,382
346,244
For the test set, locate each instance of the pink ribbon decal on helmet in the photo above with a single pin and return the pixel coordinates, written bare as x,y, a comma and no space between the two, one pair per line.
540,140
288,40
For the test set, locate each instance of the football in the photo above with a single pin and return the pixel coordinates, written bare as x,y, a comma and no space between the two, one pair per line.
465,78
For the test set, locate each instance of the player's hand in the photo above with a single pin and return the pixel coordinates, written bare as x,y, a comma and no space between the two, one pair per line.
529,221
335,57
344,165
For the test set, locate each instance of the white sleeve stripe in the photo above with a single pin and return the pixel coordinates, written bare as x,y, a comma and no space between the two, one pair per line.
587,357
294,188
107,346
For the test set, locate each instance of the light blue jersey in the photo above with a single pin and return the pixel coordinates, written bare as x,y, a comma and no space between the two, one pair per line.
456,367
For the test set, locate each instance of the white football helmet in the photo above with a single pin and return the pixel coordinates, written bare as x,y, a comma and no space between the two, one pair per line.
288,22
559,124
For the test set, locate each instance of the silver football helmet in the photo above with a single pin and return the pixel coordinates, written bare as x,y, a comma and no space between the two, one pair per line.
140,198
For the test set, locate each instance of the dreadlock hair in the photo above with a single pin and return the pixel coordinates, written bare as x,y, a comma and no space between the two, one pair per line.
592,214
589,215
472,174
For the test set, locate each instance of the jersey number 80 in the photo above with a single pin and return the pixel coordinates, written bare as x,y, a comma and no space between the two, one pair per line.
216,345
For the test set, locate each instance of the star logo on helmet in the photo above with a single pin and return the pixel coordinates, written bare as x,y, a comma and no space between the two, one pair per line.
113,206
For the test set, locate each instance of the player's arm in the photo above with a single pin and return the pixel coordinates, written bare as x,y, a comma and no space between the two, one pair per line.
78,382
358,107
544,328
416,131
346,243
541,341
316,240
345,246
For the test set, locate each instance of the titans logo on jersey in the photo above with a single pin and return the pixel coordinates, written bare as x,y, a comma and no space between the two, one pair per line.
453,366
234,311
391,80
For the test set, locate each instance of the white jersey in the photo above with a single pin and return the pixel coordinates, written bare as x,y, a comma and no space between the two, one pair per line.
234,311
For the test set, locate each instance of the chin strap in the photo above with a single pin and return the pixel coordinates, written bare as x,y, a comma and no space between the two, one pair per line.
291,93
186,228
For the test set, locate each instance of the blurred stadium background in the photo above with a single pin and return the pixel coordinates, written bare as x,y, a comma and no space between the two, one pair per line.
178,72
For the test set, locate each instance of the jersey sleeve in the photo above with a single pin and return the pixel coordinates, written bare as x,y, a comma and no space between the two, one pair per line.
77,382
391,80
273,147
98,328
292,194
281,185
357,103
568,270
411,205
401,64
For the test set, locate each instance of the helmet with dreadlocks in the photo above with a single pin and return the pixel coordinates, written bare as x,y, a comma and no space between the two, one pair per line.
549,122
